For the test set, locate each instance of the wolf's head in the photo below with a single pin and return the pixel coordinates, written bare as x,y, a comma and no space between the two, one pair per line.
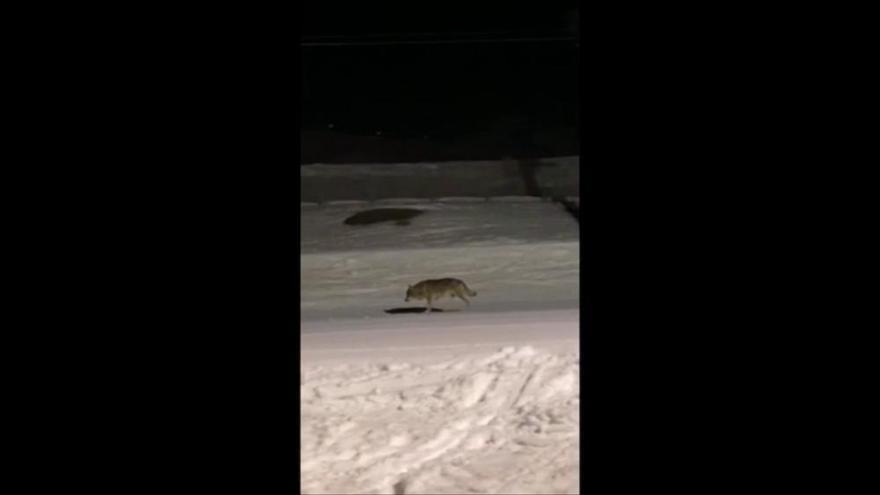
409,293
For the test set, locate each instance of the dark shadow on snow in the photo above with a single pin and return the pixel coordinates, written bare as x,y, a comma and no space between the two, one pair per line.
571,207
400,216
395,311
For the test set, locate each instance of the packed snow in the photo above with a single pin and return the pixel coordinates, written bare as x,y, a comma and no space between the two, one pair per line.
479,399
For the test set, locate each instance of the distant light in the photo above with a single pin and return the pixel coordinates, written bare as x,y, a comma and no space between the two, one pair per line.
330,126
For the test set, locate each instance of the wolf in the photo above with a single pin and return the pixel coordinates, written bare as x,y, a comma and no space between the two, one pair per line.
432,290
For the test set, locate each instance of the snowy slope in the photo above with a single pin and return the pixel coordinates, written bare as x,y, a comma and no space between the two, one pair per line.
478,400
451,223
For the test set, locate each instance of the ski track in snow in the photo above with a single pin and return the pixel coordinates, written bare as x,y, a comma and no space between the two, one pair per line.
502,422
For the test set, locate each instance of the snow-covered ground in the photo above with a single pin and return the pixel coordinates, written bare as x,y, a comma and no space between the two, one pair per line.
470,400
515,254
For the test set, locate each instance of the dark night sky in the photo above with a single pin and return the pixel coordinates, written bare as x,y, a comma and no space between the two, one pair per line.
440,89
321,18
